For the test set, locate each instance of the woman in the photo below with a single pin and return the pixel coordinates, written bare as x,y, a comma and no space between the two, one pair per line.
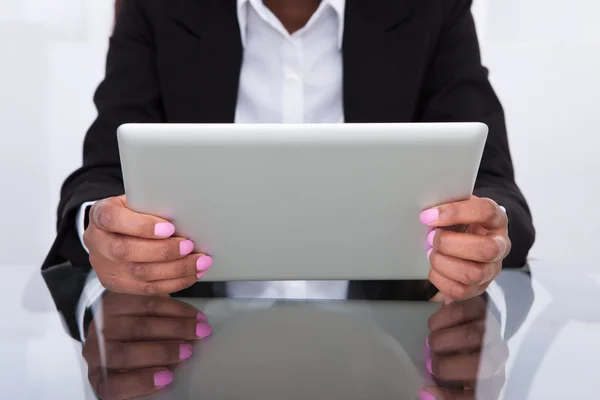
350,60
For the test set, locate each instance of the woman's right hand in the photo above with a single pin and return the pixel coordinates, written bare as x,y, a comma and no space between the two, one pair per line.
137,253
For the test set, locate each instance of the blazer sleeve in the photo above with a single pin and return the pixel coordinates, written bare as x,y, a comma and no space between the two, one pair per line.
129,93
457,89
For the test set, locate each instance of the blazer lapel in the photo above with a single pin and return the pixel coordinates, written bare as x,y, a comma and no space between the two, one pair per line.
380,71
204,62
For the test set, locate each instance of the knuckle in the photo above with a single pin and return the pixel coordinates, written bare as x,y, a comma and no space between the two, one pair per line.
115,354
488,209
182,267
149,289
489,250
163,252
459,311
149,304
87,240
475,275
165,354
108,283
137,330
137,271
118,249
475,334
102,215
458,291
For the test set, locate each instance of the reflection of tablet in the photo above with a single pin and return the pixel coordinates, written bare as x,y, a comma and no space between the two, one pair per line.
307,350
296,202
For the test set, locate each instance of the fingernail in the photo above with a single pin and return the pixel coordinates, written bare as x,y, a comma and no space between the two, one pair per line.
429,216
201,317
164,229
203,330
163,378
186,247
429,253
204,263
427,342
425,395
185,351
430,237
428,366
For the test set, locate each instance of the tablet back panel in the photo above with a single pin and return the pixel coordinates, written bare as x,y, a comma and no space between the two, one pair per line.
301,202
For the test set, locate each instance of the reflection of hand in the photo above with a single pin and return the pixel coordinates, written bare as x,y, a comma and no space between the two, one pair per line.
143,339
467,354
468,244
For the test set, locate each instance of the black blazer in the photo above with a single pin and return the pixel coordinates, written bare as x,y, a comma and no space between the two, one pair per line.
403,61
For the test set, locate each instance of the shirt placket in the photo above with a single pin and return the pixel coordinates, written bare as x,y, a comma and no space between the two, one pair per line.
293,85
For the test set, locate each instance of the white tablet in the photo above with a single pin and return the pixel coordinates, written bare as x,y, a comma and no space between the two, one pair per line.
301,202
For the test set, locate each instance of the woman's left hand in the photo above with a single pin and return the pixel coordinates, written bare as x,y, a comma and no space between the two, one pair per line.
468,242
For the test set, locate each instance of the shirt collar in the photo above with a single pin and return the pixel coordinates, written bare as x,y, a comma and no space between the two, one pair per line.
338,5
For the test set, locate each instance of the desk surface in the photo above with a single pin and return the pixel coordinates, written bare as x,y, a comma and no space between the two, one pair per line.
534,337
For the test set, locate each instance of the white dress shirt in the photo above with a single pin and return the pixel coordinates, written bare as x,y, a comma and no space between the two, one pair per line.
284,78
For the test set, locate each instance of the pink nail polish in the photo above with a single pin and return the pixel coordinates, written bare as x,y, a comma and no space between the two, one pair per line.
430,237
186,247
429,216
164,229
429,253
425,395
204,263
185,351
201,317
428,366
163,378
203,330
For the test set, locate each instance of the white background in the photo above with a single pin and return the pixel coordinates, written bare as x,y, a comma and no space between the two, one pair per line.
544,58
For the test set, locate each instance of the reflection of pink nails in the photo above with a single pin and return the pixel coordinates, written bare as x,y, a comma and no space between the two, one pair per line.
430,238
164,229
429,216
163,378
204,263
428,365
429,253
186,247
425,395
203,330
201,317
185,351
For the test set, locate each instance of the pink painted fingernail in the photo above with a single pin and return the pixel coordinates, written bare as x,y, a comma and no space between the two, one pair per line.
429,253
203,330
185,351
164,229
163,378
425,395
204,263
428,366
186,247
430,237
429,216
201,317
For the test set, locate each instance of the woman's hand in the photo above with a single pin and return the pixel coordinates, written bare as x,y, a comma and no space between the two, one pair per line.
468,242
137,253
